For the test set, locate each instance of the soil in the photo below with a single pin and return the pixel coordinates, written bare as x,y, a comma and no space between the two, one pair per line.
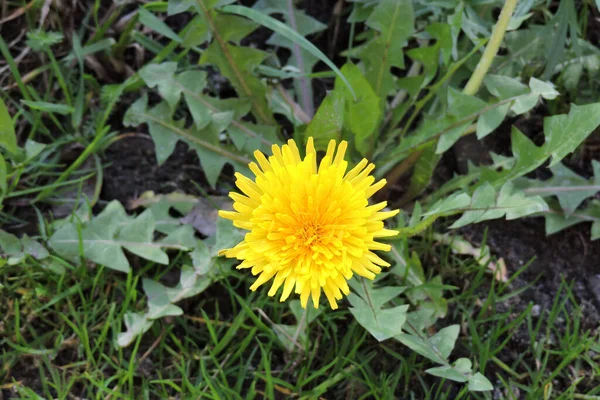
567,256
132,169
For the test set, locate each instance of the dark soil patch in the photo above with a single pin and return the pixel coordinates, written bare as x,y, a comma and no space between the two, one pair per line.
133,169
568,255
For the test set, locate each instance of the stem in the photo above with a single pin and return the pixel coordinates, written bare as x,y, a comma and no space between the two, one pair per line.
491,49
301,326
433,91
296,109
305,92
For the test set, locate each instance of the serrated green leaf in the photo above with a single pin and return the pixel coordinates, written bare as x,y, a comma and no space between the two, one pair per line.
233,28
162,76
10,244
450,203
504,87
490,120
362,116
564,133
311,312
249,137
178,6
159,303
103,238
190,284
460,106
444,339
428,57
423,172
419,345
40,40
162,132
328,122
197,33
289,33
136,324
194,83
134,116
33,248
227,236
137,237
8,138
570,188
165,223
394,20
237,64
447,372
460,371
544,89
479,383
509,202
201,259
382,323
183,235
557,221
527,158
166,132
441,32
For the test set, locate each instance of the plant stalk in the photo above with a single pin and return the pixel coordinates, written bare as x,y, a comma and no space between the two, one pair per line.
491,49
303,82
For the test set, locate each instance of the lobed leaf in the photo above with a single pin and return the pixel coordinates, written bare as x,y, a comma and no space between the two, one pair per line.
382,323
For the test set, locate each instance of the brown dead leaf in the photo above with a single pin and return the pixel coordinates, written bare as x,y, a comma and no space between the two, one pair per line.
203,216
199,212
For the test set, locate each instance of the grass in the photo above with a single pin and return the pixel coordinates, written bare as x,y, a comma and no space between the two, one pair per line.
58,331
59,334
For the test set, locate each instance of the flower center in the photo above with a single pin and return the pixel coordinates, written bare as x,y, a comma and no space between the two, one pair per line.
309,234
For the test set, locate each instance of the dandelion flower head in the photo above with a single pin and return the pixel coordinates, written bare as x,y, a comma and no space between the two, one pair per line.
310,225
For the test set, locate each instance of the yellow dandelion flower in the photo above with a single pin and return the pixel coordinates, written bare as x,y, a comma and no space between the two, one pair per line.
311,227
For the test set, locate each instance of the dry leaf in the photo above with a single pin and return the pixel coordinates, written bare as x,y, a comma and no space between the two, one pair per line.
203,216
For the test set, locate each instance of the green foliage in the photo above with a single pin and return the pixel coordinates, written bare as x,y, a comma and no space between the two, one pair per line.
362,115
392,23
399,100
40,40
295,337
211,116
290,34
328,122
303,57
103,238
235,62
152,22
382,323
8,139
437,348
